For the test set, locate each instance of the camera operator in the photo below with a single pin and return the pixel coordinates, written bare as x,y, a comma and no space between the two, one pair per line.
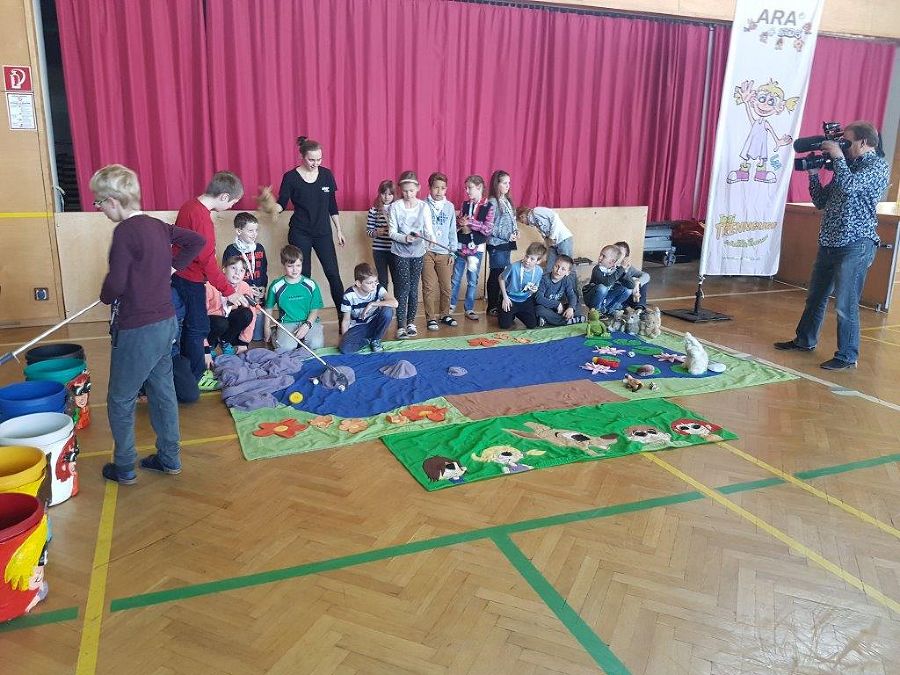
847,241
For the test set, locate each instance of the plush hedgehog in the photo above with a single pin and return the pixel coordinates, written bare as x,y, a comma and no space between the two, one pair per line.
697,360
651,322
631,320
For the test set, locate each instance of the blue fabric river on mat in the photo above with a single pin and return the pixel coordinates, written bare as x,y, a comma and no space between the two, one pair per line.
488,368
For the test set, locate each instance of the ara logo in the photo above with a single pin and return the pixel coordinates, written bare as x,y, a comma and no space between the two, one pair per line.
778,17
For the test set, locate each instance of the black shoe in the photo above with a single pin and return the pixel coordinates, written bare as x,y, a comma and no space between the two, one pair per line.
152,463
110,472
790,344
837,364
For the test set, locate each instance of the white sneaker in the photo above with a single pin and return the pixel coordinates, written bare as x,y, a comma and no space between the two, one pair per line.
401,334
411,330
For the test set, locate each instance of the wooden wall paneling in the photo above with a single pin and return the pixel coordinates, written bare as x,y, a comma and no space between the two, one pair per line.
84,240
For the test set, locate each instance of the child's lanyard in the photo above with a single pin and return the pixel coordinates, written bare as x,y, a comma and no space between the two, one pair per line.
251,263
522,277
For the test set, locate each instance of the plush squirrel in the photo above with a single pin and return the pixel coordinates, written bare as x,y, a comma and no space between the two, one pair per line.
632,320
266,200
651,322
595,327
697,360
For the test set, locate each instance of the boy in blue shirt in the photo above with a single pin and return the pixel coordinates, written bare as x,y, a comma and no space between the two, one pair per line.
518,284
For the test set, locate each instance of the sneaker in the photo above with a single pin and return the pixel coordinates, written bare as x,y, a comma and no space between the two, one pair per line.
576,319
110,472
376,346
228,350
541,322
153,463
471,315
790,344
837,364
433,325
411,330
208,382
449,320
493,311
401,334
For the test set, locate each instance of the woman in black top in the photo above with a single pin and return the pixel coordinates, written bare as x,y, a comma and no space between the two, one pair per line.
311,188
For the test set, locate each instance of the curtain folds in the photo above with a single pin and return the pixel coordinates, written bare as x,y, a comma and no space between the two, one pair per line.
136,84
582,110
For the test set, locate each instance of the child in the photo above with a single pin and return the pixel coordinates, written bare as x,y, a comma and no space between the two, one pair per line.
245,246
407,219
556,302
229,325
223,191
366,312
639,295
138,283
503,237
557,236
437,272
299,300
609,286
475,223
518,284
377,229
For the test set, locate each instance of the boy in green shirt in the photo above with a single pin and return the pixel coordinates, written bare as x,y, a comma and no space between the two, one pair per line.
298,301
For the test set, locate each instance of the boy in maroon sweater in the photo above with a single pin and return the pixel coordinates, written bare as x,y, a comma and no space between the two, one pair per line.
138,286
223,191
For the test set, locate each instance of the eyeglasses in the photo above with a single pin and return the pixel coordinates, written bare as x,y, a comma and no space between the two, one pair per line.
99,202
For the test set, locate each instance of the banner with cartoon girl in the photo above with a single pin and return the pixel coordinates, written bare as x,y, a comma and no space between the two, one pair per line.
766,78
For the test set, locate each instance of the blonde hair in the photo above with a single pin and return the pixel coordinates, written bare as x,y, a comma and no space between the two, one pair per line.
117,182
771,87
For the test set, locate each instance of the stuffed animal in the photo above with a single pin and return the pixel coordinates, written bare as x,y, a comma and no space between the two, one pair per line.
266,200
697,360
595,327
631,320
632,383
651,322
615,321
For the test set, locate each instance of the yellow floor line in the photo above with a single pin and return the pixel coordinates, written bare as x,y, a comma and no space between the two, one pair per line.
884,342
789,541
93,613
834,501
151,446
893,325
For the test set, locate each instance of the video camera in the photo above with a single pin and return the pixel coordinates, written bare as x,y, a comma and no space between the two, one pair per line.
832,132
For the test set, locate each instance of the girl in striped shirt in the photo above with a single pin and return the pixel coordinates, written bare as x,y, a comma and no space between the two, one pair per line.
377,229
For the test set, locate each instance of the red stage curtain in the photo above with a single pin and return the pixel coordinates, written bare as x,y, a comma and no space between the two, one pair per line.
136,84
850,81
581,110
721,37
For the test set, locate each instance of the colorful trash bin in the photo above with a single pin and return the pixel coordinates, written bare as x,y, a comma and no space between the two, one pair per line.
24,398
23,550
24,469
74,374
62,350
54,434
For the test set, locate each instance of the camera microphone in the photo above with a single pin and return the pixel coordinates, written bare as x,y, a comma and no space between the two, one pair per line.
808,143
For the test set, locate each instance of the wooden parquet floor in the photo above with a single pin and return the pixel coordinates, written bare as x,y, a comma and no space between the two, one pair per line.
338,562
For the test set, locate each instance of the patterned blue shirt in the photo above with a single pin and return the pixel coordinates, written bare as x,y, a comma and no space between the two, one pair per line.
850,199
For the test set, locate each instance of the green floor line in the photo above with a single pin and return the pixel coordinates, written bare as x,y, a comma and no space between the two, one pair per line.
259,578
599,650
40,619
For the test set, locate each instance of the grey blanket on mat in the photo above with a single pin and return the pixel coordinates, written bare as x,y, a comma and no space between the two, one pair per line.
249,380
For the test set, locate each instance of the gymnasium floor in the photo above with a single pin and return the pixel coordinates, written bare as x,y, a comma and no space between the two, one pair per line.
777,553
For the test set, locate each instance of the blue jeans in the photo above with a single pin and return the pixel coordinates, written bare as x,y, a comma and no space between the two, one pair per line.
196,322
565,247
362,333
143,356
459,267
608,299
842,270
